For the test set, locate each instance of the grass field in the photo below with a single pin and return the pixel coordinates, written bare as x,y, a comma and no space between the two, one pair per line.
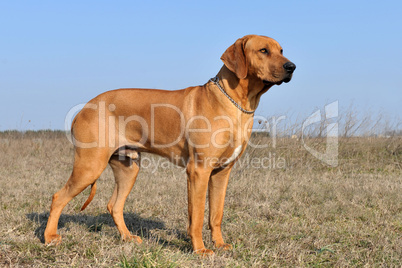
293,211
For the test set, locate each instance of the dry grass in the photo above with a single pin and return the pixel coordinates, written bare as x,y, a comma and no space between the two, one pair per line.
301,214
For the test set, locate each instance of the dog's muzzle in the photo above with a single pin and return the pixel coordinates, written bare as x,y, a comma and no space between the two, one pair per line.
289,67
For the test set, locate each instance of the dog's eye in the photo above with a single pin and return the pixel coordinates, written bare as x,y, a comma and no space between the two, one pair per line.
264,50
281,51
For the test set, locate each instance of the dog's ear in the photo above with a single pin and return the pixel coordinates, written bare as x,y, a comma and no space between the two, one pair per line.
235,59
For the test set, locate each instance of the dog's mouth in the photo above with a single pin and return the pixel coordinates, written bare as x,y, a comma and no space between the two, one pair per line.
287,79
270,83
267,83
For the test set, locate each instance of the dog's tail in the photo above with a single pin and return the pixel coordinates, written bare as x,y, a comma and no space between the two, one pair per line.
90,197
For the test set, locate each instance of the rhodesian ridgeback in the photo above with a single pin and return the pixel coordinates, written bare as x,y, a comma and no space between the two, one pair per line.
204,129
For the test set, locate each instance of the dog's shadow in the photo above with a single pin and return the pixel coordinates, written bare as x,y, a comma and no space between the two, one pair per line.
136,225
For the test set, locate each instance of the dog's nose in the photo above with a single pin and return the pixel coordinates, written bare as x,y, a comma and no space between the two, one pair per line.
289,67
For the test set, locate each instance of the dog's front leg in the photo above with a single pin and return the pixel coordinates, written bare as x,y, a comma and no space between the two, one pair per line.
197,185
217,191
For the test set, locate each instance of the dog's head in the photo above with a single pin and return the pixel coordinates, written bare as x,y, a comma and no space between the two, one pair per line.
259,57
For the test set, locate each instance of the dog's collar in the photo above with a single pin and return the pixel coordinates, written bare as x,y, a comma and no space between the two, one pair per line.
215,80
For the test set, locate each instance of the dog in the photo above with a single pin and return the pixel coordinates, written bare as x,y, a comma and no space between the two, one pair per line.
204,129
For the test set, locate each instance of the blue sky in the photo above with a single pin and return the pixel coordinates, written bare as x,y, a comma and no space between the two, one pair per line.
57,54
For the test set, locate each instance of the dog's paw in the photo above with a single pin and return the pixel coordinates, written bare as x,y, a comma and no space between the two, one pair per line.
224,246
132,238
204,252
53,240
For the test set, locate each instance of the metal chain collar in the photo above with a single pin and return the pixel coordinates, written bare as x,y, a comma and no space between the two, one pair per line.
215,80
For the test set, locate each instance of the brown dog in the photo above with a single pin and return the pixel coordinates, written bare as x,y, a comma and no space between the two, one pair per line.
204,129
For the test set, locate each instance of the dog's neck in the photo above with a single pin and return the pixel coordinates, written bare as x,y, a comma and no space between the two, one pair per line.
246,92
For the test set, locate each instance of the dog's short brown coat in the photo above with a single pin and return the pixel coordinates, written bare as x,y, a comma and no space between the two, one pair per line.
198,128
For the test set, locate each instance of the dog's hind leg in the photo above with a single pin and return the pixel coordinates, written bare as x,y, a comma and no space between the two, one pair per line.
125,171
88,166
